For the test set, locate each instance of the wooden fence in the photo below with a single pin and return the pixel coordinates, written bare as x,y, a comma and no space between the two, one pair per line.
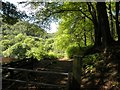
16,71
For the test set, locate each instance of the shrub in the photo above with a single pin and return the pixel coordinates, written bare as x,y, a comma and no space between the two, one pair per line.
60,55
91,59
72,50
36,52
51,56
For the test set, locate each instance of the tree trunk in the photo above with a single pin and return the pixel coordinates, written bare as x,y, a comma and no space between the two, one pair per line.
85,38
103,24
117,21
111,21
97,31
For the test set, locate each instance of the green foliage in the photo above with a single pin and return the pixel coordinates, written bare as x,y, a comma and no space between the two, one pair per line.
5,44
61,55
62,41
23,40
74,26
73,30
49,44
52,56
25,47
10,15
91,59
72,50
17,51
36,52
28,28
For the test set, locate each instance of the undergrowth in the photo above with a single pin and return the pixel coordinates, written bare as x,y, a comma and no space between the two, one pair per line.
102,70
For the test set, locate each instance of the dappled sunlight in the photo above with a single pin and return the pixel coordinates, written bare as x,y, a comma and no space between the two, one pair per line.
60,45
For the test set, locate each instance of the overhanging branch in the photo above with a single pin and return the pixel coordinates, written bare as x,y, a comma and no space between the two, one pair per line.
66,10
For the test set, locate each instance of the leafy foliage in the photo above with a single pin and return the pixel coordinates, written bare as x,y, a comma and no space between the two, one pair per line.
10,15
72,50
22,40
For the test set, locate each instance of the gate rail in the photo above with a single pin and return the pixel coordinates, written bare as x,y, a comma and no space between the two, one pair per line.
11,70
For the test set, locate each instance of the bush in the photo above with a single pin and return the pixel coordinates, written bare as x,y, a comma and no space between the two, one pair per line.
51,56
91,59
60,55
72,50
36,52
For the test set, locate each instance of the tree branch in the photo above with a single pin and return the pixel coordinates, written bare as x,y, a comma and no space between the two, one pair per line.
66,10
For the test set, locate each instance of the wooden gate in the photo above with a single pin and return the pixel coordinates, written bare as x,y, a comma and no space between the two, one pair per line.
26,79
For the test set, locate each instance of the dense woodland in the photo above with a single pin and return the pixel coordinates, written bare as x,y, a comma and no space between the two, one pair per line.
90,30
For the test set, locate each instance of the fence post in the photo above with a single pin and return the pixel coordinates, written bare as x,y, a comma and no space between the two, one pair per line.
77,72
27,80
69,81
11,73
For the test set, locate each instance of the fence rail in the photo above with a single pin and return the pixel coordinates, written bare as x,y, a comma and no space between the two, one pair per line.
26,81
27,70
31,82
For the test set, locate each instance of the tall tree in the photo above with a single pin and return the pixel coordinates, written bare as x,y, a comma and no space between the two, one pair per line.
111,20
117,20
94,20
10,15
96,13
103,24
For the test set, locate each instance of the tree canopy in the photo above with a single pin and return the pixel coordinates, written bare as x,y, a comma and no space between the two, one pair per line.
10,14
80,23
83,20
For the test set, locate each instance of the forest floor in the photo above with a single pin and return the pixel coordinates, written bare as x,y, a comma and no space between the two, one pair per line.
104,72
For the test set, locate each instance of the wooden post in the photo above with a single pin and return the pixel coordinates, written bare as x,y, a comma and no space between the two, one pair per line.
77,72
11,73
69,81
27,80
